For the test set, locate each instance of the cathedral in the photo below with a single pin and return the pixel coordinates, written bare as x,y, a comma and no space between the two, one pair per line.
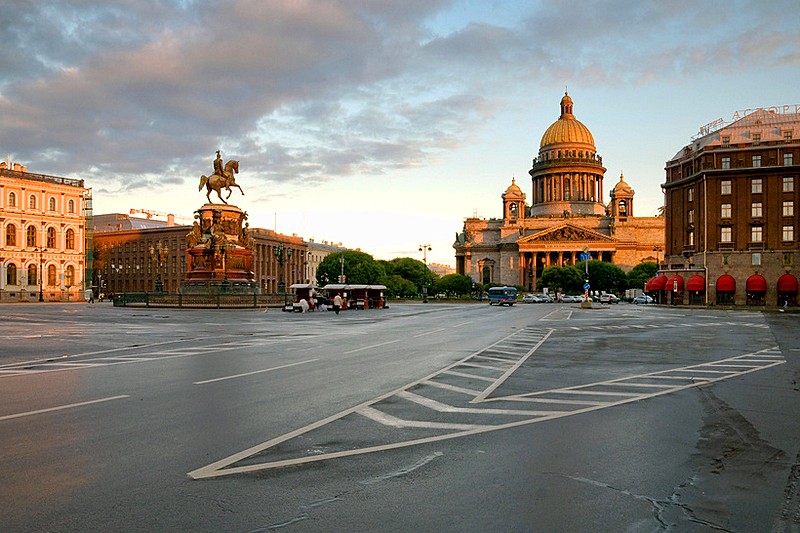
567,216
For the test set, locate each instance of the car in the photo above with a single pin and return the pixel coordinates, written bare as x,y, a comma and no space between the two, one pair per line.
530,299
546,298
609,299
569,299
643,299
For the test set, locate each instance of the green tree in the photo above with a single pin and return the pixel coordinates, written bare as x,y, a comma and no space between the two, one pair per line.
411,269
453,284
399,287
606,277
359,267
565,279
639,274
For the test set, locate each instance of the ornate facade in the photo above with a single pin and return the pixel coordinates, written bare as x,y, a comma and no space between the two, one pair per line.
42,236
567,216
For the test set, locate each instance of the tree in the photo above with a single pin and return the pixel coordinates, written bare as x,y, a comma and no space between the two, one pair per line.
457,284
359,267
565,279
410,269
606,277
639,274
399,287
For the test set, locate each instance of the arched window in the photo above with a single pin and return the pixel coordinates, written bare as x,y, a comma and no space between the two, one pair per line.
11,274
32,274
11,235
51,204
69,276
30,237
70,239
567,194
51,275
71,206
623,208
12,199
51,238
32,202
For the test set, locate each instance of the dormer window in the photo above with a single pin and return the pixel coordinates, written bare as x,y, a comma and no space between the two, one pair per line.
756,138
726,141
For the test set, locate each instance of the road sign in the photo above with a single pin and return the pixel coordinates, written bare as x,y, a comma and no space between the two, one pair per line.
586,286
585,257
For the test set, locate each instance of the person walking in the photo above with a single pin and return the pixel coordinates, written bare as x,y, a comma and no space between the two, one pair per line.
337,303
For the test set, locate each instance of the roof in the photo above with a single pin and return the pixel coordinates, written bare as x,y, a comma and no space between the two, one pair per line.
567,129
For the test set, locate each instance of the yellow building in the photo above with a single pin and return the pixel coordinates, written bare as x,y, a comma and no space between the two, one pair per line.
42,236
567,216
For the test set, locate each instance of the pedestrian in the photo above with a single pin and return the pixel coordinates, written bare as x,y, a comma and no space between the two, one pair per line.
303,305
337,303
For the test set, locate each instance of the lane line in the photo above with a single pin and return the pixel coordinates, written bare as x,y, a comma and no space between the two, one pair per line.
254,372
429,332
62,407
371,347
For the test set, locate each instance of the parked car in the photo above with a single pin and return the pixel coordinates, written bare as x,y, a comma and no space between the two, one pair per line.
569,299
609,299
530,299
546,298
643,299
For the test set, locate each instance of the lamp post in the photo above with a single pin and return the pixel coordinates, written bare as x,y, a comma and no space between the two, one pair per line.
282,254
425,248
41,252
657,249
158,254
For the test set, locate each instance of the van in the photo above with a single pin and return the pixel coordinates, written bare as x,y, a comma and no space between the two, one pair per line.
502,295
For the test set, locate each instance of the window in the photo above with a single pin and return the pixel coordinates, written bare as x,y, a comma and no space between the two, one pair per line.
725,234
756,185
787,234
69,276
11,274
756,161
756,234
690,238
725,211
51,275
788,184
32,275
31,202
788,208
70,239
71,206
690,194
755,210
51,238
51,204
690,216
12,200
756,139
726,162
787,135
726,141
30,237
11,235
725,187
755,259
787,159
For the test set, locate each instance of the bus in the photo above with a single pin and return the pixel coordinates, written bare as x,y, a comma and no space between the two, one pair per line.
502,295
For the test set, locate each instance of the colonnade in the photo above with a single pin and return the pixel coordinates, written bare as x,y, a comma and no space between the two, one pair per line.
534,263
583,186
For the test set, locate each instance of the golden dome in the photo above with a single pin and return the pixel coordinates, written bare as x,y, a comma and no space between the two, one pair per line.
567,129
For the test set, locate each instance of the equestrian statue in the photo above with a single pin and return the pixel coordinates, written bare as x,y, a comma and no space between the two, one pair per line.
223,177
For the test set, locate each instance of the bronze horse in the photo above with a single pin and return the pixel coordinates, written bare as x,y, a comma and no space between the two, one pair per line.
217,183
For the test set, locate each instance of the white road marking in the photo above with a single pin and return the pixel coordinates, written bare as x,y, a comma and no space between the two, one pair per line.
254,372
62,407
445,408
429,332
389,420
371,347
468,376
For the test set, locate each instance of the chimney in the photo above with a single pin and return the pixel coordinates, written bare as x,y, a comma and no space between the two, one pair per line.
170,220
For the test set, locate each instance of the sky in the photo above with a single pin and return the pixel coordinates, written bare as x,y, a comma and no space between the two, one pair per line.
378,124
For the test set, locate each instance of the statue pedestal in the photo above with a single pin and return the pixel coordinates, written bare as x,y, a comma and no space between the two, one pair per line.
220,255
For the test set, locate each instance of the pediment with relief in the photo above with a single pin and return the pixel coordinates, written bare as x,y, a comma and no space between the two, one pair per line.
566,233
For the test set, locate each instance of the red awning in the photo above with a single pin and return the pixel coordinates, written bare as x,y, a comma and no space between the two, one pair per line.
787,283
696,283
756,283
656,284
671,283
726,283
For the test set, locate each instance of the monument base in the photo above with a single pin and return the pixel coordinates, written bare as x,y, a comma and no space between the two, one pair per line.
219,287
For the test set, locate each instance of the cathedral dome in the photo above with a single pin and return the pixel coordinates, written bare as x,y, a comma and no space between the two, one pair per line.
622,186
567,129
513,189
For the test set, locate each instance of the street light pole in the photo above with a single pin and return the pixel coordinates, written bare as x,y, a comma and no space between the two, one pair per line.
657,248
425,248
41,252
279,255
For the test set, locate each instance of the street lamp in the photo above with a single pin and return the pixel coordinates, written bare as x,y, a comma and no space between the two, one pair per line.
425,248
158,254
282,258
41,251
657,249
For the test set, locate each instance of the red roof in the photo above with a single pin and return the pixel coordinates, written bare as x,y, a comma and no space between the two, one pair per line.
696,283
756,283
787,283
671,283
656,284
726,283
